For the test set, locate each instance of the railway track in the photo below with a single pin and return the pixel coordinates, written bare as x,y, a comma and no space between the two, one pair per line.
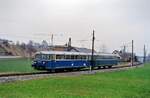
5,78
21,74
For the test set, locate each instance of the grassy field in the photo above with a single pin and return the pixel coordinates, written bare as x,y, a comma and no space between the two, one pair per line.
15,65
133,83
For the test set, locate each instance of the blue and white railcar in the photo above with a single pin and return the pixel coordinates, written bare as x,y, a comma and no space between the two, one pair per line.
105,59
51,60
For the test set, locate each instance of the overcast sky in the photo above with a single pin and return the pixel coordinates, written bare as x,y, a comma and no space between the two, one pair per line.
116,22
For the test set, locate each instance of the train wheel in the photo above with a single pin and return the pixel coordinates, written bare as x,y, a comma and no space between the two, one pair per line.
78,69
109,66
99,67
104,67
71,69
49,70
53,70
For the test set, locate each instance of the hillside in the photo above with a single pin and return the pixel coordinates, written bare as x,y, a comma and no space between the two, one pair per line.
12,50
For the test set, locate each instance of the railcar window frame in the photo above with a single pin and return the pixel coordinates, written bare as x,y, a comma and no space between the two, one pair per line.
67,57
60,57
51,57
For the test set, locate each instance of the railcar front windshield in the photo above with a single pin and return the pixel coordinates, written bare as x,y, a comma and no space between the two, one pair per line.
44,57
38,56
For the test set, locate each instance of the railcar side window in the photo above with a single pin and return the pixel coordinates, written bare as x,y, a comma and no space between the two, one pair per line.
89,57
60,57
50,57
79,57
72,57
83,57
76,57
67,57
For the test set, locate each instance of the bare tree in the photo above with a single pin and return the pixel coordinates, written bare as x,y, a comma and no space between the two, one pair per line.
30,48
44,44
17,43
23,46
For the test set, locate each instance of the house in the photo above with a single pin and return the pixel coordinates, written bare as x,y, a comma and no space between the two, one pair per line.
70,49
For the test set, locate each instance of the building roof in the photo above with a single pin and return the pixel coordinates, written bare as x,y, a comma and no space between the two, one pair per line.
72,49
85,50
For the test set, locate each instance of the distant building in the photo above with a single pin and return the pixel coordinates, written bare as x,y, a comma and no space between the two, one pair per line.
125,56
70,48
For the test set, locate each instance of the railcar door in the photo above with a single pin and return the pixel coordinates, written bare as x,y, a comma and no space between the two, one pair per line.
50,62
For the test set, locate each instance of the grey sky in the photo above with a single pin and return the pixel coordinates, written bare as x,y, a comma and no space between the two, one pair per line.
115,21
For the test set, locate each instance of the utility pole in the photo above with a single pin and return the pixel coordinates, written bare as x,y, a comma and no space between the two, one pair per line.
132,56
144,57
52,38
92,58
69,44
124,49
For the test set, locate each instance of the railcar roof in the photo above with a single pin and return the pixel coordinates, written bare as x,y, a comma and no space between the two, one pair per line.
73,53
62,52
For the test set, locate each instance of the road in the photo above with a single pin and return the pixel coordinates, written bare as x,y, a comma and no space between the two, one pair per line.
7,57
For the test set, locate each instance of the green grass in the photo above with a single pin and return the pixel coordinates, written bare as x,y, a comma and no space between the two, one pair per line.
15,65
133,83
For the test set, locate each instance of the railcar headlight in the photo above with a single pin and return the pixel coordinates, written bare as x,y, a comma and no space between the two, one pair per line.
43,62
